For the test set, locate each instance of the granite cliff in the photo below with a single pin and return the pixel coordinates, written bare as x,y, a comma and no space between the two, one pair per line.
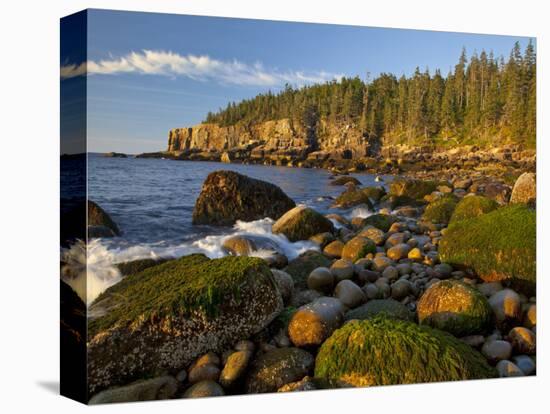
277,140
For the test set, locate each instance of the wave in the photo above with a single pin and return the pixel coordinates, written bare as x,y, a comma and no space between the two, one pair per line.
89,278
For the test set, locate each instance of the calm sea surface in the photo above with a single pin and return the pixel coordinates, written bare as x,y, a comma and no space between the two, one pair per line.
152,199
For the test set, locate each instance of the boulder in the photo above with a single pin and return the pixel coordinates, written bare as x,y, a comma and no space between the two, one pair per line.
380,221
235,368
303,265
399,251
455,307
334,249
472,206
284,282
305,384
345,179
374,234
357,248
383,351
414,189
496,350
98,217
167,315
311,324
321,279
525,189
349,294
342,269
523,340
301,223
498,246
353,197
227,196
204,389
160,388
440,210
239,245
272,370
506,306
508,369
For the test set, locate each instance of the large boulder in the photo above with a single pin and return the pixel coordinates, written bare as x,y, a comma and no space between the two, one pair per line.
455,307
498,246
301,223
167,315
383,351
160,388
227,196
303,265
473,206
525,189
272,370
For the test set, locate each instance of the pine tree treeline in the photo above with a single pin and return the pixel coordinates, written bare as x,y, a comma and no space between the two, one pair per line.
484,100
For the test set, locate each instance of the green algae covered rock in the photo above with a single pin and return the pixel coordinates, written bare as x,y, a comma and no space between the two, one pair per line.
498,246
167,315
473,206
383,351
301,223
378,307
415,189
440,211
303,265
380,221
455,307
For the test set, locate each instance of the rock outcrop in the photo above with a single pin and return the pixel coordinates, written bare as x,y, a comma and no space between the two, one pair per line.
278,140
227,196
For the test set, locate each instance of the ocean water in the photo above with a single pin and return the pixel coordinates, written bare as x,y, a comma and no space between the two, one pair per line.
152,202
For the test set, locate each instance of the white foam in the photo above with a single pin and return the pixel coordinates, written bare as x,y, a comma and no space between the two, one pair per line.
90,277
103,254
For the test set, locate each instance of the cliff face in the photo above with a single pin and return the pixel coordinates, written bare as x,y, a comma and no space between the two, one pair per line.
271,139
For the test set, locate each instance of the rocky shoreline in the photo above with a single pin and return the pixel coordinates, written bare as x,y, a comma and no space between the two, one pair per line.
438,283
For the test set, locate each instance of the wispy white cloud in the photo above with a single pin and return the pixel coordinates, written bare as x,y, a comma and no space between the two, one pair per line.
151,62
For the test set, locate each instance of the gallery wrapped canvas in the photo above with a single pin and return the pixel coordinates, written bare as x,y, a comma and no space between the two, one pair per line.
252,206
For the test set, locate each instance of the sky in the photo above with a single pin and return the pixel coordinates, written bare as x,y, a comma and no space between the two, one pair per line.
148,73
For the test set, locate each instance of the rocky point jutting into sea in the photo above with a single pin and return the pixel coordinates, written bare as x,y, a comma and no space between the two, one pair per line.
341,147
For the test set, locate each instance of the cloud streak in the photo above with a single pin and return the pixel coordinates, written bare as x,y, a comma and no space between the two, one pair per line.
201,68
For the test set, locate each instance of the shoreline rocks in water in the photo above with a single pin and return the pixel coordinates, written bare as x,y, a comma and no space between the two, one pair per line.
437,290
227,196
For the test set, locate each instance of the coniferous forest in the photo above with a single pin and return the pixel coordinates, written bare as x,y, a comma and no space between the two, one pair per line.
483,100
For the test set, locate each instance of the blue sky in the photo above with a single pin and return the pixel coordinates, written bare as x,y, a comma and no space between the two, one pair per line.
148,73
